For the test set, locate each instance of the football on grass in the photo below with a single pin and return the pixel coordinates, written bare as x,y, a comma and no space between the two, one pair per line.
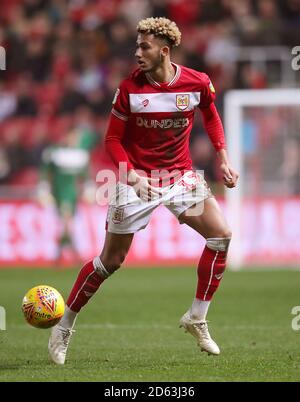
43,306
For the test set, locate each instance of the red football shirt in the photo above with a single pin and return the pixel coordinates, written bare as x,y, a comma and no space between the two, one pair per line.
158,117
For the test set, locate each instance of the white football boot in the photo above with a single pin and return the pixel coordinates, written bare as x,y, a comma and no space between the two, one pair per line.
199,330
58,343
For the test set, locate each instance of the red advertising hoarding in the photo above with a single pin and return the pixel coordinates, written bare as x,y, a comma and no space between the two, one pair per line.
29,235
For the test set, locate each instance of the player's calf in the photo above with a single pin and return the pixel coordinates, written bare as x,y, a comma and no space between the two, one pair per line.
87,283
211,267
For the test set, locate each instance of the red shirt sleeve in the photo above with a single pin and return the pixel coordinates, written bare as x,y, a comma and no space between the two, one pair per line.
208,93
121,106
213,126
117,127
115,133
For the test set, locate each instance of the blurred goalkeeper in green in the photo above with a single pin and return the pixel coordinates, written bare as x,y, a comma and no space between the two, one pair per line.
64,180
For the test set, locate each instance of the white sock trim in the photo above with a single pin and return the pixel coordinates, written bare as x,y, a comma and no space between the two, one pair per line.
100,268
218,243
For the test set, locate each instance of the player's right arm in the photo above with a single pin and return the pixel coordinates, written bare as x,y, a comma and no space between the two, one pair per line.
116,131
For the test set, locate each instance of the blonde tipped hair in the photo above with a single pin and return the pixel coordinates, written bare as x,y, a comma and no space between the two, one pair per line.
162,27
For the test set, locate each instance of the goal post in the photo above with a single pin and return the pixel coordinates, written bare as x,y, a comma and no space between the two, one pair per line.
266,104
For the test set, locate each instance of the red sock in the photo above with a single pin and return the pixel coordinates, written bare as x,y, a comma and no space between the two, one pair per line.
210,271
87,283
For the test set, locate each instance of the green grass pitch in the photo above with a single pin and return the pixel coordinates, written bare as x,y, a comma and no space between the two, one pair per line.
129,330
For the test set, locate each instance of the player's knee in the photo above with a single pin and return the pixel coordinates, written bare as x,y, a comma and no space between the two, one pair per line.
226,234
222,233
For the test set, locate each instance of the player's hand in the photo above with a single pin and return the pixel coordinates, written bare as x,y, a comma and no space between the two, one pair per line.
143,186
230,176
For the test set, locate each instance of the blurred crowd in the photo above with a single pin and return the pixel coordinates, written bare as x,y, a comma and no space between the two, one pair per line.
65,59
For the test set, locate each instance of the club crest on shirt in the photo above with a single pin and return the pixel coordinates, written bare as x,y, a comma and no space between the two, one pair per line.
182,101
117,215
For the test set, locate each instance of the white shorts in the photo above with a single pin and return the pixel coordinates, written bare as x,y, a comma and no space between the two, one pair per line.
127,213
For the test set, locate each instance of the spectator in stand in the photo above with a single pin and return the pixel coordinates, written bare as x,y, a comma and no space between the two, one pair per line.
5,166
8,102
14,150
26,104
71,98
68,55
39,142
120,38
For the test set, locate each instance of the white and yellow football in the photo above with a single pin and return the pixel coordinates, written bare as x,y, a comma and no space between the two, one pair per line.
43,306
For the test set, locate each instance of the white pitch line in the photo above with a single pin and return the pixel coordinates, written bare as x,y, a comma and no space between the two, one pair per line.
104,326
156,326
124,326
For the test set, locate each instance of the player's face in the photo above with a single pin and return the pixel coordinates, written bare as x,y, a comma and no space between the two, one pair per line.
149,52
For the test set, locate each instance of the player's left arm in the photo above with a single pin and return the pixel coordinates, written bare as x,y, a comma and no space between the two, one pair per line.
214,128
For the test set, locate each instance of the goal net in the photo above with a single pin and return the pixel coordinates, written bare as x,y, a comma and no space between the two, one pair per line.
263,138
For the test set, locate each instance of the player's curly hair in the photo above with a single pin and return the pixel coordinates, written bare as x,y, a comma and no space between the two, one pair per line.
161,27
